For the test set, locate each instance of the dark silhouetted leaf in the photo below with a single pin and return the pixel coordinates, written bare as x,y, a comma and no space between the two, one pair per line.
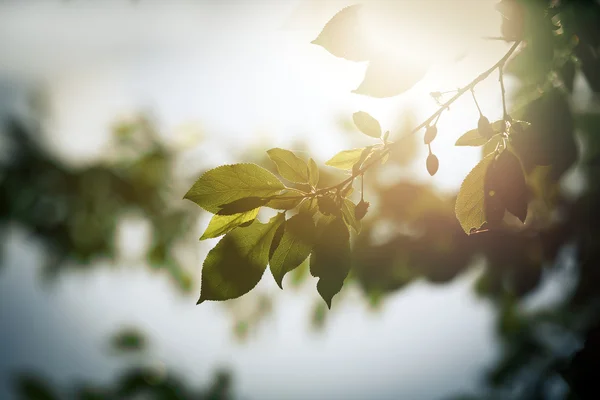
221,224
470,207
484,127
313,173
228,183
361,209
285,201
507,179
330,259
549,140
367,124
344,37
345,159
294,247
236,264
242,205
328,206
289,165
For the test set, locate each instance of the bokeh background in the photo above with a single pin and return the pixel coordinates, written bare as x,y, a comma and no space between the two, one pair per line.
111,109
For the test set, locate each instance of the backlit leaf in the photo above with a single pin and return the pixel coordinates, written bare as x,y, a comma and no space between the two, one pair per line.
289,165
367,124
236,264
473,138
491,145
344,37
470,207
330,259
228,183
345,159
384,78
221,224
349,214
294,247
313,173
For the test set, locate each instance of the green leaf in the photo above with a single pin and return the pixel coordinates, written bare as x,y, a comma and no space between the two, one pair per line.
289,165
490,146
367,124
294,247
228,183
313,173
242,205
236,264
473,138
221,224
309,206
345,159
330,259
348,212
285,201
384,78
470,202
367,151
343,36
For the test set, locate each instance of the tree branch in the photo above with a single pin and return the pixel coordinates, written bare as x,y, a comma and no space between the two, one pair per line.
375,159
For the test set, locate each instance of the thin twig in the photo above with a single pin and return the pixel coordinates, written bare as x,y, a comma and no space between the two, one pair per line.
390,146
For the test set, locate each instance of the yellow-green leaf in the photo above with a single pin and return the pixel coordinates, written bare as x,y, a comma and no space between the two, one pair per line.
491,145
236,264
349,215
345,159
473,138
294,247
313,173
228,183
221,224
289,165
367,124
470,202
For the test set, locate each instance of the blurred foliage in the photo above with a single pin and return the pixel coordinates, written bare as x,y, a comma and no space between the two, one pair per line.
129,340
137,382
76,212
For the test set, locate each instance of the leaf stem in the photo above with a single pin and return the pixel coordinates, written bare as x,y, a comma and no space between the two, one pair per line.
388,148
476,103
